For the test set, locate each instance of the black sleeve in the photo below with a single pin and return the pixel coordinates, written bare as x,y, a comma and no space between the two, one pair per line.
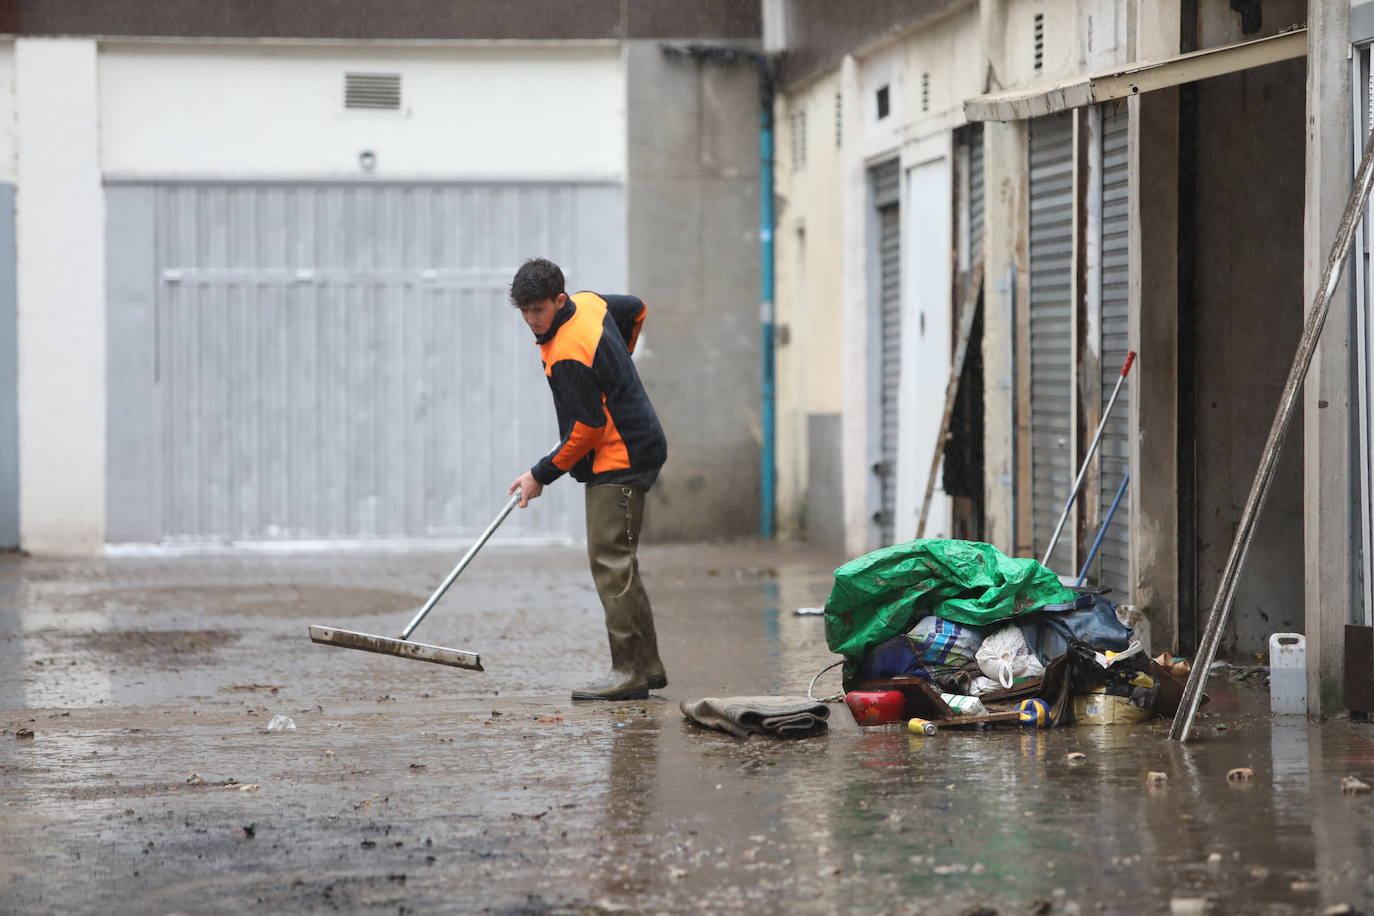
628,314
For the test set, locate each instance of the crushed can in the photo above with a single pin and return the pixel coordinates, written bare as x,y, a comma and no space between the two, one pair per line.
921,727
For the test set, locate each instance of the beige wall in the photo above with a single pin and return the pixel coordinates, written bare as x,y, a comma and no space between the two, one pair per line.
809,289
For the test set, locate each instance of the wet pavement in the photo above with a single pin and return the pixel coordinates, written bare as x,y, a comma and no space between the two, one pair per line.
152,785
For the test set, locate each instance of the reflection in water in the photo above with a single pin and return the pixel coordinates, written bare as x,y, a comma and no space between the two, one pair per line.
631,797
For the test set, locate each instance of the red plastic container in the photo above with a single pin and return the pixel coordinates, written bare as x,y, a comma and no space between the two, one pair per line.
876,707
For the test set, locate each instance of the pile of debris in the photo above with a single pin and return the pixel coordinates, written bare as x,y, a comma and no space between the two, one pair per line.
957,633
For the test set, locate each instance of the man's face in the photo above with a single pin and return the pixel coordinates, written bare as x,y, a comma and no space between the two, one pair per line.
539,315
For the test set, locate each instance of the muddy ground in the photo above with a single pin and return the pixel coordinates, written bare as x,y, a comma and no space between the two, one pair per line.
152,785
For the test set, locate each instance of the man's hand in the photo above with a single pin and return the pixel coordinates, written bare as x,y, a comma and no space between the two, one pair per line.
529,488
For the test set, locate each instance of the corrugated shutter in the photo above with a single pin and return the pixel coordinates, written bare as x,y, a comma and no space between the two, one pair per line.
1051,265
886,181
342,362
975,191
1114,451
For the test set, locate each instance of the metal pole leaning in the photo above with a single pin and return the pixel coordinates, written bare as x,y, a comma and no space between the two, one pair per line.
462,565
1087,459
1269,458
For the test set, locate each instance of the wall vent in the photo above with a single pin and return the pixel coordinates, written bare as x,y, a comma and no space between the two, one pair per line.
799,138
372,91
925,92
839,120
1039,41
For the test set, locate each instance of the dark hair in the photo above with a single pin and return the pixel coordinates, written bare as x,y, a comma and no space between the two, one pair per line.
536,280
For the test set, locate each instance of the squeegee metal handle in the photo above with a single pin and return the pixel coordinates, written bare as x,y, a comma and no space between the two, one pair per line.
1087,459
462,564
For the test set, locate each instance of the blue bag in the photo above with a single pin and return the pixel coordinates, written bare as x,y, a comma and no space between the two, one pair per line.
1090,619
895,658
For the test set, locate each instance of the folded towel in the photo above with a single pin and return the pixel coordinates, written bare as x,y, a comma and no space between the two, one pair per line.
777,717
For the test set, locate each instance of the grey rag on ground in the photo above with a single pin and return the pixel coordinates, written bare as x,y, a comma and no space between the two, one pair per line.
776,717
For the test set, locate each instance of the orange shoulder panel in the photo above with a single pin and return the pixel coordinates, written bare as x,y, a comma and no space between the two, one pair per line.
578,339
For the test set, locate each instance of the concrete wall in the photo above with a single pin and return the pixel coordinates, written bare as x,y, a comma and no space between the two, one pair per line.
9,378
1245,317
692,168
9,328
61,294
279,112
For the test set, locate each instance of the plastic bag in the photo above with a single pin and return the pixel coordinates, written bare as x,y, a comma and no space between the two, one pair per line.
1004,656
943,644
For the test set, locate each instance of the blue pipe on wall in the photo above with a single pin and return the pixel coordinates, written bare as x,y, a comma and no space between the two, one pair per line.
767,482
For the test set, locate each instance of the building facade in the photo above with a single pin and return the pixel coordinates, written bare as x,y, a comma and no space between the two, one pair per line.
1093,178
253,262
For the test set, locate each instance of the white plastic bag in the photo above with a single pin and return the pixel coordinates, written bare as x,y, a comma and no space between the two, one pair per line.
1004,656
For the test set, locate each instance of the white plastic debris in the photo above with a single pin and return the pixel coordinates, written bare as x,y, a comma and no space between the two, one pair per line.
281,723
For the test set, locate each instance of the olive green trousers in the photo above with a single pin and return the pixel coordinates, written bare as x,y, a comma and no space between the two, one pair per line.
615,514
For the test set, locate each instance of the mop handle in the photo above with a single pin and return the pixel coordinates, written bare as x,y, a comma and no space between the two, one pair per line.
462,564
1102,532
1087,460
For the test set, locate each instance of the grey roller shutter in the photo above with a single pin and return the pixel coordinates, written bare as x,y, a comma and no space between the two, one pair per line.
341,361
1114,451
886,184
975,191
1051,345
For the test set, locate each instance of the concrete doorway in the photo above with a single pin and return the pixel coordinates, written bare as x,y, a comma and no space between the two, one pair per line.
1241,167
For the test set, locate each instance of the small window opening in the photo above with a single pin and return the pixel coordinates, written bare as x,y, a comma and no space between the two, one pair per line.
1039,41
884,103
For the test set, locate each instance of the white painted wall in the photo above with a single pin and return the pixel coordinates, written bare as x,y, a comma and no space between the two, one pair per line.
7,112
61,293
927,218
277,110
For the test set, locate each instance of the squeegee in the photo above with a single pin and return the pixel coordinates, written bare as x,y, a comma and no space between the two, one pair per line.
402,645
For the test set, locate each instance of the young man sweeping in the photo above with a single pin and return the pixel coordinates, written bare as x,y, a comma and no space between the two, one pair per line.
611,440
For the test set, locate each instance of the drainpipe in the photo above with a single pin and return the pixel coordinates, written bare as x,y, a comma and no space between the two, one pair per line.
767,386
768,457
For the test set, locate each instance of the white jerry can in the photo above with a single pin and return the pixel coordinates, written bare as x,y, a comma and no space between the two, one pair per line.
1288,674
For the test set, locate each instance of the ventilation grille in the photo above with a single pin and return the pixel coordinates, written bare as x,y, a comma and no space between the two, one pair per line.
925,92
372,91
1039,41
799,138
839,120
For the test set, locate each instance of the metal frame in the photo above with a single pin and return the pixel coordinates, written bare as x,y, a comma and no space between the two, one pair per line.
1361,120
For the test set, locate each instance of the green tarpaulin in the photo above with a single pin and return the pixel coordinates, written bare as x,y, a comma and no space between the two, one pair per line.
884,594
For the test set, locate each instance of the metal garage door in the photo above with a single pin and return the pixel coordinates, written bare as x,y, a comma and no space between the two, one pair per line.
975,191
340,361
1114,451
1051,243
886,181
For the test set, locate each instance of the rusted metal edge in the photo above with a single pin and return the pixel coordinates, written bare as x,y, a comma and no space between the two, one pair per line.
1123,82
403,648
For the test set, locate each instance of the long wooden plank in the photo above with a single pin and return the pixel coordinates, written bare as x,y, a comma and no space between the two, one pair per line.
968,310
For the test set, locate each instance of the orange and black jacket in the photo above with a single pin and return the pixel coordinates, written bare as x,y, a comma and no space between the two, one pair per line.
609,431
